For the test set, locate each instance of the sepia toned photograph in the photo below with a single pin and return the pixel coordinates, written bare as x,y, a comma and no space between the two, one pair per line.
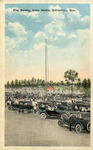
47,89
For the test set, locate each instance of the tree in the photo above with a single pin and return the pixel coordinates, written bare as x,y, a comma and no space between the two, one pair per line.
28,82
12,83
71,76
22,82
62,83
8,84
38,81
86,83
16,82
33,81
79,83
67,82
19,83
51,82
43,82
25,82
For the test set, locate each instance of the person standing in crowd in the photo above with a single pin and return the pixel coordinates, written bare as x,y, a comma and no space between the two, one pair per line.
71,118
34,104
9,101
16,101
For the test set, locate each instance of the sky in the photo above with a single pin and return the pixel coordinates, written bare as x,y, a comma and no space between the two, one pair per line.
67,30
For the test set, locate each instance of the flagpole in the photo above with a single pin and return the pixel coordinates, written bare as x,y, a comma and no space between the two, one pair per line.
46,66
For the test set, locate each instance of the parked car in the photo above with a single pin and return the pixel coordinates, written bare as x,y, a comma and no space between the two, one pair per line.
22,106
48,109
81,106
25,106
79,120
13,106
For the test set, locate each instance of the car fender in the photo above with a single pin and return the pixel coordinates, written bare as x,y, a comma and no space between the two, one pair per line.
65,113
59,111
43,112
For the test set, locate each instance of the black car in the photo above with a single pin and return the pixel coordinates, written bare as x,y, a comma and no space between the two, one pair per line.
13,106
48,109
22,106
81,106
79,120
25,106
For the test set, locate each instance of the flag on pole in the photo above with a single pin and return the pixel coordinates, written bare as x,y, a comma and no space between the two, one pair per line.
50,87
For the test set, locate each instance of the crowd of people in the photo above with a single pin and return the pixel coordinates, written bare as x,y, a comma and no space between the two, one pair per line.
35,95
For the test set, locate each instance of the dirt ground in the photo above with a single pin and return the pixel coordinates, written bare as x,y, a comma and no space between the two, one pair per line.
30,130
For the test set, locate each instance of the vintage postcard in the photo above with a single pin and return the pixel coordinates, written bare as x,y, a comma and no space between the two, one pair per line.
46,74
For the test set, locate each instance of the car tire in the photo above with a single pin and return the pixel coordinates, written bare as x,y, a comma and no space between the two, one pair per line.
25,111
60,123
78,128
9,108
43,116
88,127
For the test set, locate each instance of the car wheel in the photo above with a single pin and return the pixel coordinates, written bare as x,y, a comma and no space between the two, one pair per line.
88,126
25,111
60,123
78,128
9,108
43,116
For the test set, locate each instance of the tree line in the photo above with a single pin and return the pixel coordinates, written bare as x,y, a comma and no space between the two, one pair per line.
39,82
32,82
71,78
